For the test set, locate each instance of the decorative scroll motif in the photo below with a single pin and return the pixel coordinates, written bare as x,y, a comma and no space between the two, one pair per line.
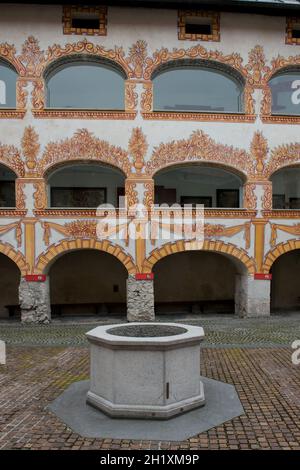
196,52
266,102
85,47
131,193
210,230
131,97
31,57
8,52
31,147
14,226
10,156
137,148
281,156
259,151
249,100
147,98
83,146
77,228
22,93
38,94
250,199
256,66
267,201
40,196
199,147
148,200
137,58
20,195
292,229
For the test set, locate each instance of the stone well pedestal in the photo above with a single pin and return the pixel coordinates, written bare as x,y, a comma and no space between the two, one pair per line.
145,370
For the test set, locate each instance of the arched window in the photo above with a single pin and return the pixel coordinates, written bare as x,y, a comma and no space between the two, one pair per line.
285,90
286,188
8,81
199,87
85,185
198,184
85,84
7,187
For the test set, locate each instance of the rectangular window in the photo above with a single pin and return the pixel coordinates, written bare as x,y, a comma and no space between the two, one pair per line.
85,20
292,30
198,25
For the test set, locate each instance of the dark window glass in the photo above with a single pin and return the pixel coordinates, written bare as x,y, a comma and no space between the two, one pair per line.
193,28
296,33
86,86
286,189
7,187
86,23
8,80
196,89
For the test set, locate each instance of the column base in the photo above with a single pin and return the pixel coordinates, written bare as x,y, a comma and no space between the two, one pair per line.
252,297
140,300
34,301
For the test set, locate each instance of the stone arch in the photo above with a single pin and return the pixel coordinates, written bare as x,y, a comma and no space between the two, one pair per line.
54,251
208,245
200,148
16,256
83,146
279,250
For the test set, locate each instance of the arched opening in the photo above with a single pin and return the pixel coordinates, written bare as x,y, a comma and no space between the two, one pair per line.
196,282
8,84
9,286
87,282
200,86
285,91
285,285
7,187
286,188
85,185
198,184
85,83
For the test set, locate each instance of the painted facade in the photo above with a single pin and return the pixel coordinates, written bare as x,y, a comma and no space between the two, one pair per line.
140,142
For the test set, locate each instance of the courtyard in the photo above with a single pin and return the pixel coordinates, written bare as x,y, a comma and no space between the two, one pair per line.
252,354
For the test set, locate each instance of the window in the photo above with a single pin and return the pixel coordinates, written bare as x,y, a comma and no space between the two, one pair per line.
198,184
292,30
85,84
198,25
285,90
84,185
85,20
187,88
286,188
8,81
7,187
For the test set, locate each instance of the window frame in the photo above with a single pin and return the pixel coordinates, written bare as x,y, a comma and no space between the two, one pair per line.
68,12
214,18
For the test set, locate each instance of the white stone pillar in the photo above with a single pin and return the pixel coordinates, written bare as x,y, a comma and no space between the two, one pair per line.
252,296
140,299
35,301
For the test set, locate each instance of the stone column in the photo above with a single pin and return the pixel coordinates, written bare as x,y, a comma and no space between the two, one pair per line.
140,299
34,301
252,297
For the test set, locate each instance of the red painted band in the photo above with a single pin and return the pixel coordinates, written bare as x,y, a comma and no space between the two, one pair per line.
35,277
262,277
144,277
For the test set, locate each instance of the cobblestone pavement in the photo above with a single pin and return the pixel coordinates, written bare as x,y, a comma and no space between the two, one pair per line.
42,361
220,330
267,382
